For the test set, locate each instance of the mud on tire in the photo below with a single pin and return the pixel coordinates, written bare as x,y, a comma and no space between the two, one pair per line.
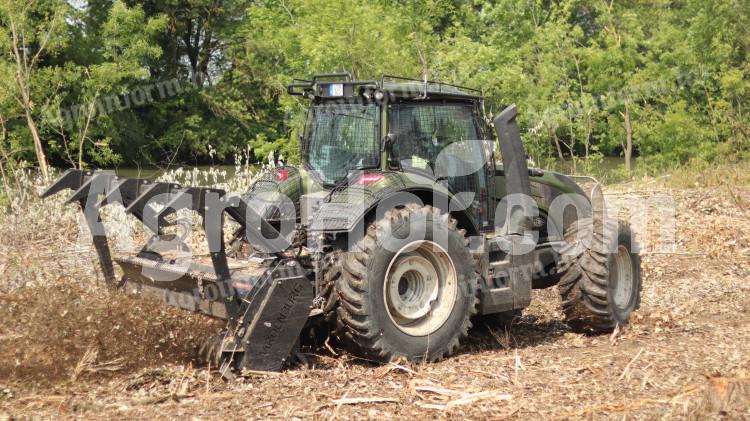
368,321
600,281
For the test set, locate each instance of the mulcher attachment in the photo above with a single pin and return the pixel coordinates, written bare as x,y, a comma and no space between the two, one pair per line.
266,301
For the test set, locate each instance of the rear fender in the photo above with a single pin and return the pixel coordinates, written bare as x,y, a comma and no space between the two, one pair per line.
443,200
570,201
352,217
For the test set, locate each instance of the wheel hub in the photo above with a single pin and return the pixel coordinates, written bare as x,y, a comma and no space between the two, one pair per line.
413,287
621,273
420,288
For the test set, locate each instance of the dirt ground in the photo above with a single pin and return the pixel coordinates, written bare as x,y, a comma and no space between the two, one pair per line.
68,350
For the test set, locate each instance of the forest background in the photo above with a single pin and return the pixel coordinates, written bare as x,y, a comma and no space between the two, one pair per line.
109,84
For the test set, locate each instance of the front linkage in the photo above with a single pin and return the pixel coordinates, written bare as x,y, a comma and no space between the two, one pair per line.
265,301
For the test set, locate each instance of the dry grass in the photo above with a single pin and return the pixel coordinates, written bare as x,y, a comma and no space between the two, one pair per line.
684,356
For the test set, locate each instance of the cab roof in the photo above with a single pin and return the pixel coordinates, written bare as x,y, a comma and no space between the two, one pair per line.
341,85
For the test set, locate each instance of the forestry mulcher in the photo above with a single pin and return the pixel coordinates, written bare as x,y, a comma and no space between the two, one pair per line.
405,221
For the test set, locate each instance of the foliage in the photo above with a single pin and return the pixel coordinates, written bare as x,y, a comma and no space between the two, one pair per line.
670,79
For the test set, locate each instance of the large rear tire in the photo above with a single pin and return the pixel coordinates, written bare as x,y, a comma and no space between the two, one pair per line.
407,295
600,271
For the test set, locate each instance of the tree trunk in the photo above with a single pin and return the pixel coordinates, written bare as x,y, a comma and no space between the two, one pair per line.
628,138
589,129
206,52
3,158
559,148
586,150
37,144
571,151
23,79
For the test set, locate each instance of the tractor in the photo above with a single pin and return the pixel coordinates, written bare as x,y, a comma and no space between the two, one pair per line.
412,214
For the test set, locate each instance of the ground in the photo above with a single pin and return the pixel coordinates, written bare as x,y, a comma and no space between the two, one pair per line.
69,350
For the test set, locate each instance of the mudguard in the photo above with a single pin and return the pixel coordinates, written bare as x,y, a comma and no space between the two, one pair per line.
347,206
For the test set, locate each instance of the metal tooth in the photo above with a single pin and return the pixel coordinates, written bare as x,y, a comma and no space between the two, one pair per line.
117,187
81,193
71,179
169,208
202,349
142,200
214,352
93,178
209,350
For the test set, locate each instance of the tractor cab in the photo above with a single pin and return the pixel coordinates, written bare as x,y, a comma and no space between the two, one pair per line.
428,130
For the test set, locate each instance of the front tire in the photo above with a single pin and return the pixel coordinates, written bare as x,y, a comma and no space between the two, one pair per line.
601,276
402,295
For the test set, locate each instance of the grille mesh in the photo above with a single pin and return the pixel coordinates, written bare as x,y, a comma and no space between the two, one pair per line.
423,130
342,137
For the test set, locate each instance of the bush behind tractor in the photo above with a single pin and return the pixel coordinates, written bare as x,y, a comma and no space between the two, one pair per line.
405,221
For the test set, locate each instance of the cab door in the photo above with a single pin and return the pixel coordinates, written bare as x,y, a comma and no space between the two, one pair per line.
443,139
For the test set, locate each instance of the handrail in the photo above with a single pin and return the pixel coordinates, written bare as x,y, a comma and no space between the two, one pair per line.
388,76
317,76
302,85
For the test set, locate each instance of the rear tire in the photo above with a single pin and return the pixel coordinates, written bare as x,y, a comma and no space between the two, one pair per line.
600,271
407,297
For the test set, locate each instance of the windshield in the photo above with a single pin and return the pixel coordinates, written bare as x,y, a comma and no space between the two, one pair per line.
341,138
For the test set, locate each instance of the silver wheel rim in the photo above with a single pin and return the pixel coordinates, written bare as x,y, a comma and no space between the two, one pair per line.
621,273
420,288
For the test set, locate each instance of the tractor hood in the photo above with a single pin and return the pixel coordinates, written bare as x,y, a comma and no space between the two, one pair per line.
275,194
347,204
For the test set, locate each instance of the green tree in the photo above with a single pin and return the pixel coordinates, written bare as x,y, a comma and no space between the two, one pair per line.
667,81
94,90
29,32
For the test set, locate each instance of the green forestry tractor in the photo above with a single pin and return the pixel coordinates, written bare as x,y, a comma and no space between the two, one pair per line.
406,221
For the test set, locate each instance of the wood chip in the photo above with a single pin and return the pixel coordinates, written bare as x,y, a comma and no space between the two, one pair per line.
355,401
438,390
489,395
466,399
627,367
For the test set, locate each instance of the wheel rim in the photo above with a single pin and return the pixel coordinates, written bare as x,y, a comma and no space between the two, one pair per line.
420,288
621,274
